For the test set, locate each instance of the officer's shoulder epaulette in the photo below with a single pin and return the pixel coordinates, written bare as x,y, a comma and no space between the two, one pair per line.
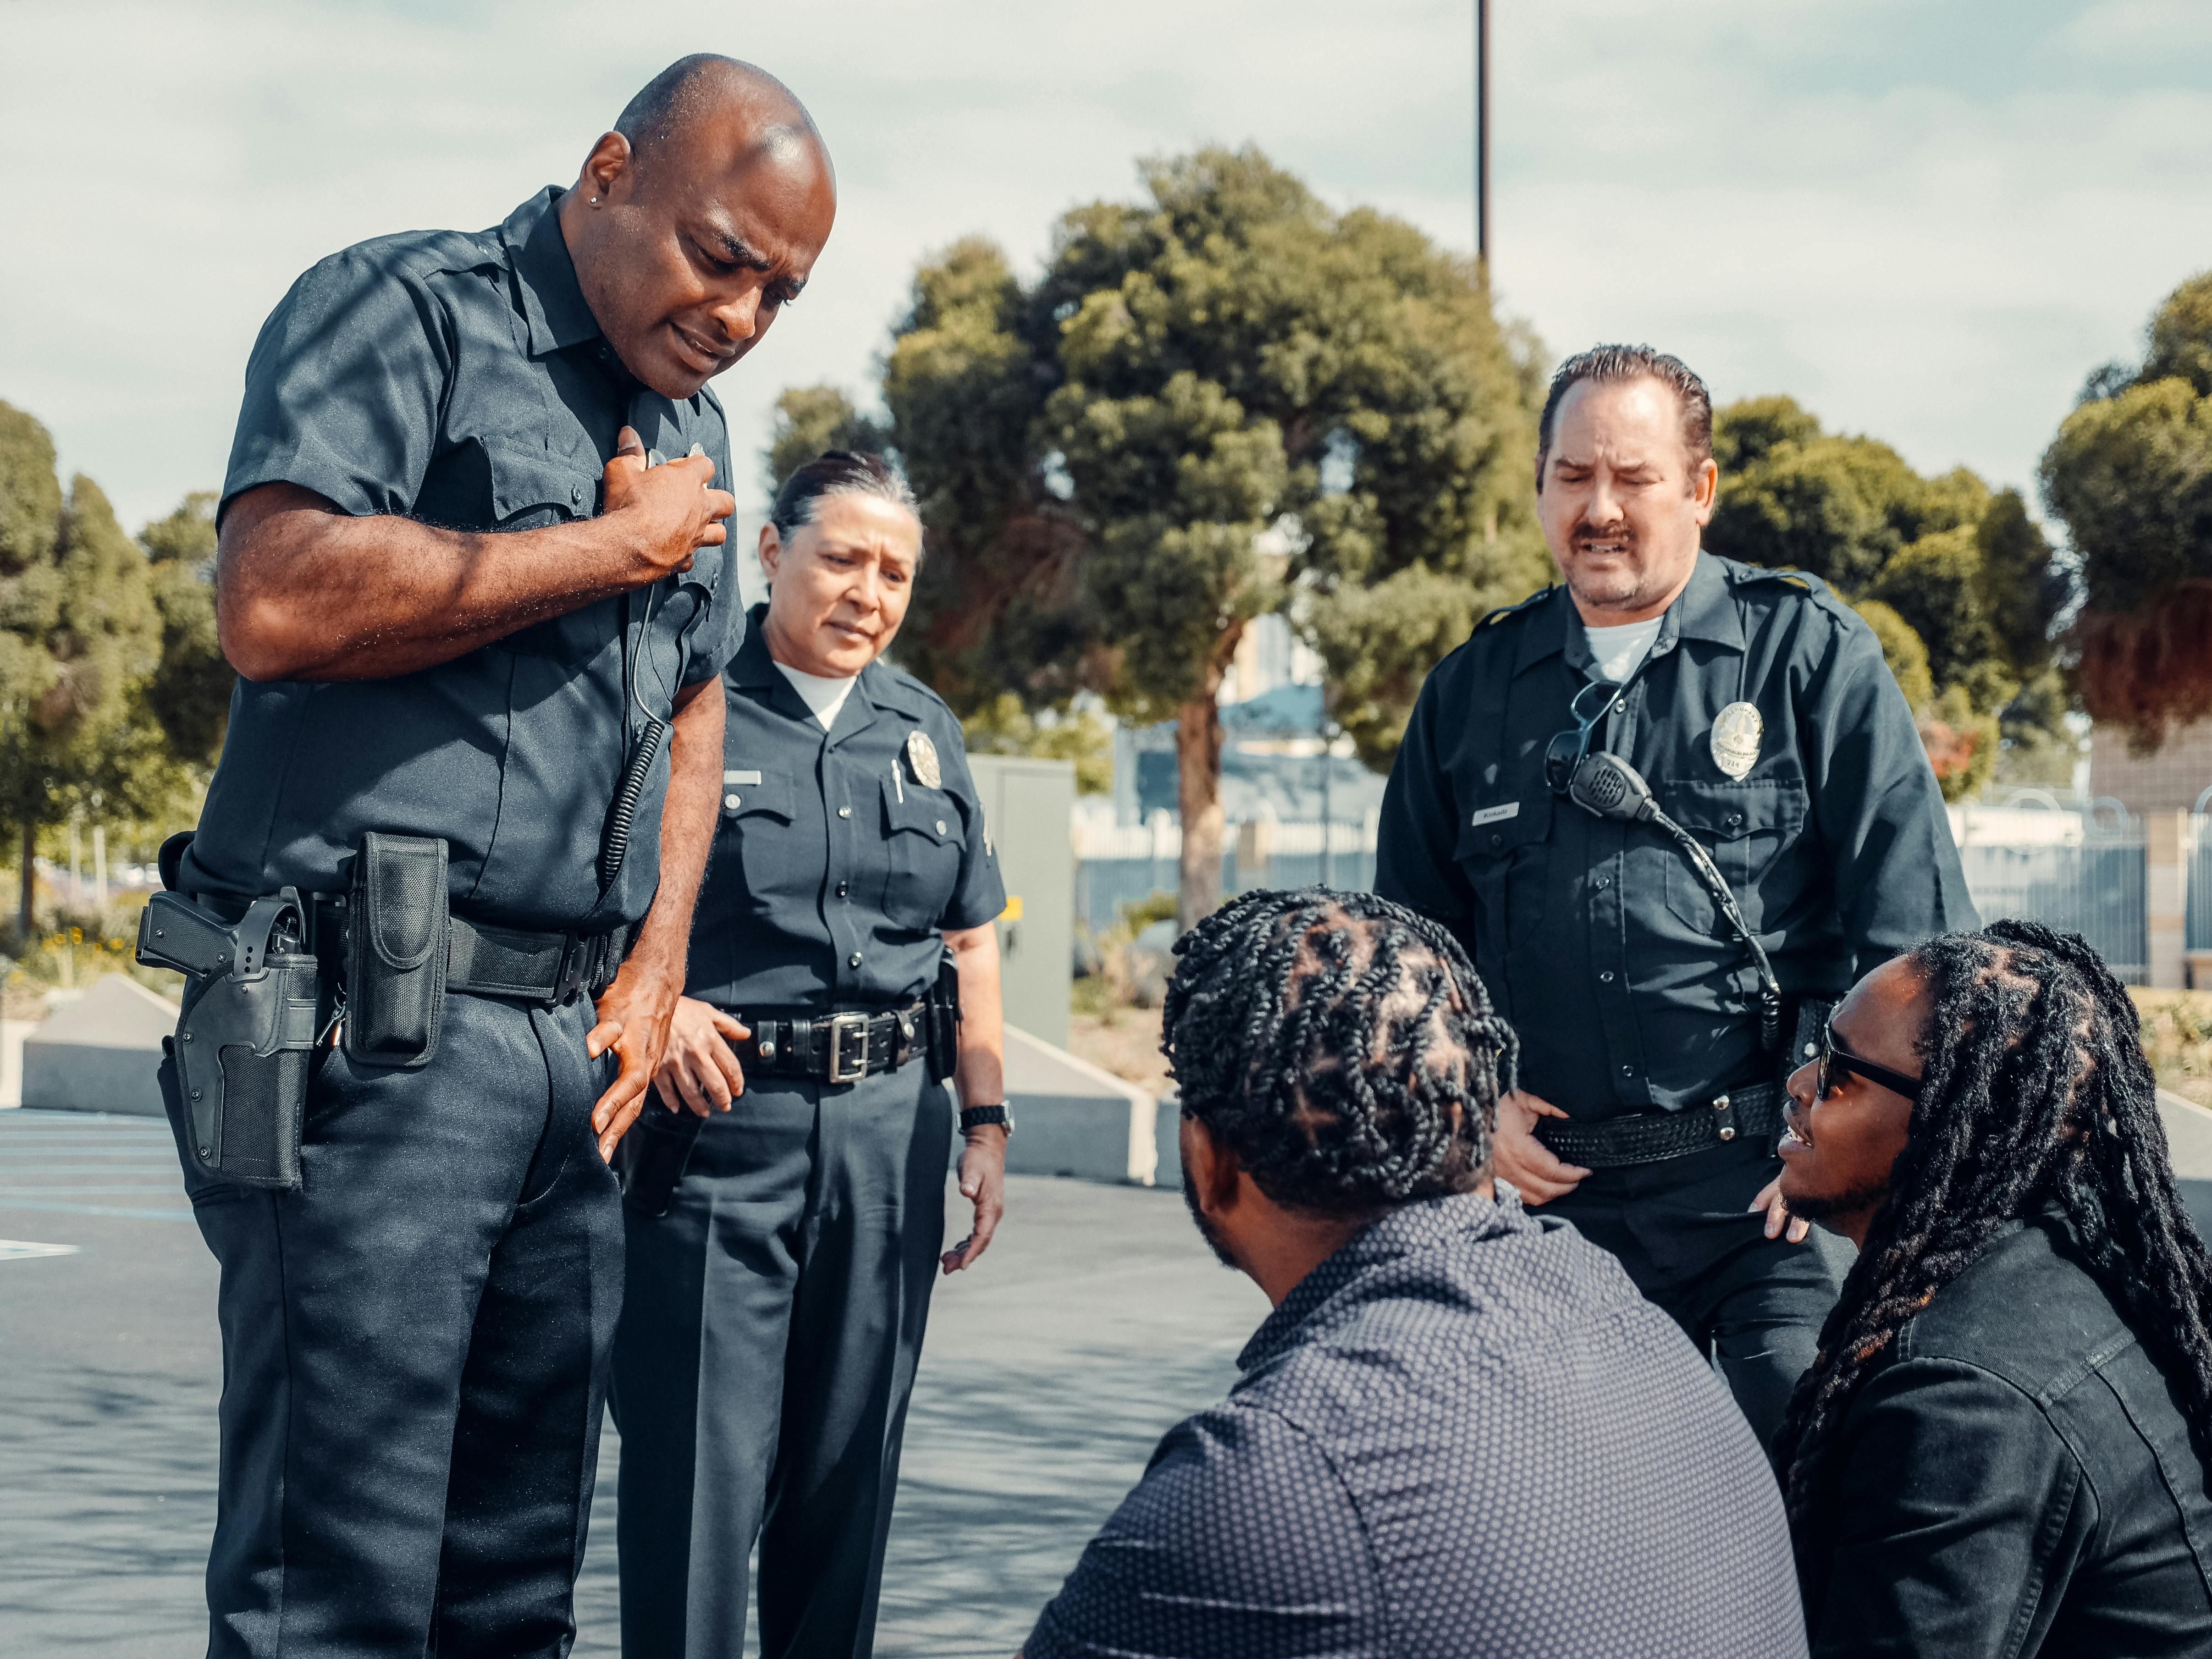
1492,617
416,253
1784,582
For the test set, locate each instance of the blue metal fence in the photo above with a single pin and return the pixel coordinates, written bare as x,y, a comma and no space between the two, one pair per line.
2095,887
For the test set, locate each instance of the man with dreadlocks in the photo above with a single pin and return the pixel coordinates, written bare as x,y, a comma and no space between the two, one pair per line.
1461,1431
2002,1447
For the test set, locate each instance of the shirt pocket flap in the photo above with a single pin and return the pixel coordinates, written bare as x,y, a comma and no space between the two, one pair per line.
746,792
532,490
1496,830
1721,811
910,807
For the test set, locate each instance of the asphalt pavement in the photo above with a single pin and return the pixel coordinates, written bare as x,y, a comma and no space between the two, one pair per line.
1052,1368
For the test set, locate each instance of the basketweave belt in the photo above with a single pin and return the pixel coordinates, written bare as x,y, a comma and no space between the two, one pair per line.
1653,1137
836,1048
552,969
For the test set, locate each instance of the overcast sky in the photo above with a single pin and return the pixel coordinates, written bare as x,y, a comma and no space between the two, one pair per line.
1926,219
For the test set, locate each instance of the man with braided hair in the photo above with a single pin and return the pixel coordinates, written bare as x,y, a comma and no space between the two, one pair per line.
2002,1447
1461,1431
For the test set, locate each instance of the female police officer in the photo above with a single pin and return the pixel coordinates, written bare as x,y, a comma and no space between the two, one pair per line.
775,1304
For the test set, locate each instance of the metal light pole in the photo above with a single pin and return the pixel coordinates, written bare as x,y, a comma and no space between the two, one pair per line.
1482,134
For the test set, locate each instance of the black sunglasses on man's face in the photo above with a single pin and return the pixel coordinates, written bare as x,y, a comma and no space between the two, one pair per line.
1568,749
1837,1061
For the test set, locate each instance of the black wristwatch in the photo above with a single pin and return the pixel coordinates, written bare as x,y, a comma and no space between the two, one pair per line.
975,1117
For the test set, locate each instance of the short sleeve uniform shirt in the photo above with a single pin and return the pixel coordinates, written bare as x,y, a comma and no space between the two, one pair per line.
1596,938
1463,1433
842,854
461,379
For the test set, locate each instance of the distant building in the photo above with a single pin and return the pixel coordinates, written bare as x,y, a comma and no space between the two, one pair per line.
2176,778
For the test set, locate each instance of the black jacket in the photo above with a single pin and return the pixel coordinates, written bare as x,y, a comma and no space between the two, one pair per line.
2016,1479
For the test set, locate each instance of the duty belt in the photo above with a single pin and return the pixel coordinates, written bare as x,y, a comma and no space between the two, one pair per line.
552,969
1744,1114
836,1048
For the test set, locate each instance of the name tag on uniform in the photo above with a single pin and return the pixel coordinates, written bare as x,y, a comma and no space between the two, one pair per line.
1497,814
740,777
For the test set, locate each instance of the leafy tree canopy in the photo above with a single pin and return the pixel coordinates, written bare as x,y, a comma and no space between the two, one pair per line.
2129,472
1966,572
82,635
1223,400
190,693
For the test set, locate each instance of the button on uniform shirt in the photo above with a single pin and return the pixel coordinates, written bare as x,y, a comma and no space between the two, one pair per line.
460,379
1595,937
1463,1433
836,866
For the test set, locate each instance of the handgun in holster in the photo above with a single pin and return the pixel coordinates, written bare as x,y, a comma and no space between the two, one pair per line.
241,1052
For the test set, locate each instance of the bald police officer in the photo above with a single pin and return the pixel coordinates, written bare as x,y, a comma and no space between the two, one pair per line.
479,734
1758,709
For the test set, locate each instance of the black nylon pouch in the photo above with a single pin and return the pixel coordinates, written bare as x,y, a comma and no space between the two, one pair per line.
397,949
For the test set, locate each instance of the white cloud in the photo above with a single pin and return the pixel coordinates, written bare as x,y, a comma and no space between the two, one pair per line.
1928,220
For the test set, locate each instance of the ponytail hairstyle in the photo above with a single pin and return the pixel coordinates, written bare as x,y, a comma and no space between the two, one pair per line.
838,472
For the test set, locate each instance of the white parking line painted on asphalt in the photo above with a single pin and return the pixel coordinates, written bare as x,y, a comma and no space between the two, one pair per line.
22,1249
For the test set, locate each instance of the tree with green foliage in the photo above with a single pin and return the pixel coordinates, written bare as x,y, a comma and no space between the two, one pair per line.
1224,401
1964,570
80,640
113,689
2129,473
190,692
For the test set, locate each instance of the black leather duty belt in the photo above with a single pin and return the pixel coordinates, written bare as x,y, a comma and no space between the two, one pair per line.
1653,1137
836,1048
552,968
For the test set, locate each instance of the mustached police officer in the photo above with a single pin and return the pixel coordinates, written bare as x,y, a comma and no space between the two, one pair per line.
479,727
844,967
1674,808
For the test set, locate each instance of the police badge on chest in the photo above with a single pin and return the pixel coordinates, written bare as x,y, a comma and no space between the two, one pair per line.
921,760
1737,730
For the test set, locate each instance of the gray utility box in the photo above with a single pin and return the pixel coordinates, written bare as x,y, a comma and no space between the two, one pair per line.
1026,807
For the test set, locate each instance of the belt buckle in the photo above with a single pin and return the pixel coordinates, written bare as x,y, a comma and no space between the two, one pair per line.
842,1027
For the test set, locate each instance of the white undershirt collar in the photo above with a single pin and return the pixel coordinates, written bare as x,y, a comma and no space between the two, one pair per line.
822,694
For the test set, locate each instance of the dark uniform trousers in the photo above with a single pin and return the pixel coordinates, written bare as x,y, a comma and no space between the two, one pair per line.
414,1345
1684,1231
774,1320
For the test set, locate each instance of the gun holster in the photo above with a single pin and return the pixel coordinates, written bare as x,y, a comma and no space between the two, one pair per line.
944,1022
241,1052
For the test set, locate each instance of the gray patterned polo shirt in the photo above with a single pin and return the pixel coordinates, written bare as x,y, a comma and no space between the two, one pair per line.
1463,1433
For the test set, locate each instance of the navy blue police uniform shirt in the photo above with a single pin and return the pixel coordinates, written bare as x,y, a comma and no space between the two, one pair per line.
1463,1433
460,379
836,865
1595,937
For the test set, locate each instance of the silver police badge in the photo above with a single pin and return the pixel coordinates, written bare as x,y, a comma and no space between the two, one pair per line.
1736,732
921,760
